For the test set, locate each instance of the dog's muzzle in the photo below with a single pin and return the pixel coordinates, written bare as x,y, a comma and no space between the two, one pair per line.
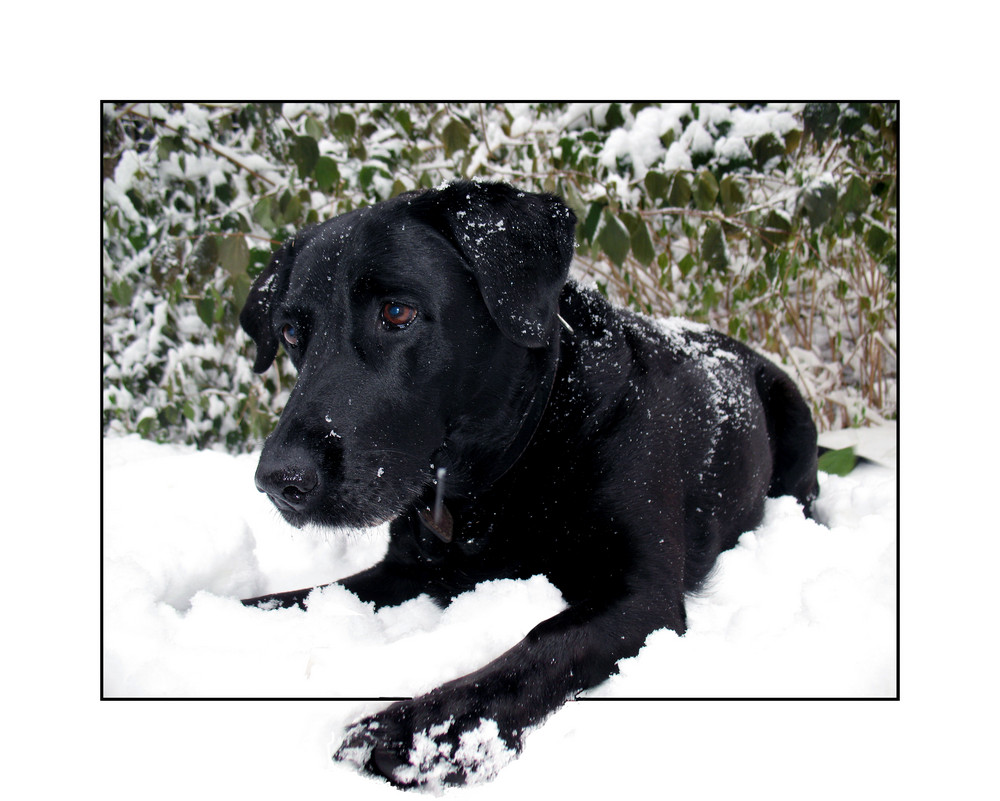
290,487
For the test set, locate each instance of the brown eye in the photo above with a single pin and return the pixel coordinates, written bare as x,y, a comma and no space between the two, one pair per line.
398,315
290,334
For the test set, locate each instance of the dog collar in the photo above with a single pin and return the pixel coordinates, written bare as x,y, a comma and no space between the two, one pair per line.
440,521
443,527
529,423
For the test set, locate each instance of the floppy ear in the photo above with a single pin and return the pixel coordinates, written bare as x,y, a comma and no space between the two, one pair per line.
518,246
256,316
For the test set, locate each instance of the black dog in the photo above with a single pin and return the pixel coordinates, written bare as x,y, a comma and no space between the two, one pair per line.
509,423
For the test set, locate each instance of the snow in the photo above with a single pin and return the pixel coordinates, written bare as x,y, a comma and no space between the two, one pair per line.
798,609
174,625
480,752
117,196
641,143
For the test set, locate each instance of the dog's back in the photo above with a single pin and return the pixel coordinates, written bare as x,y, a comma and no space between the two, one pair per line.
745,431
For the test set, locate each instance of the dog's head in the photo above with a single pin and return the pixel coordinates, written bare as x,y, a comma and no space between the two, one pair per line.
420,328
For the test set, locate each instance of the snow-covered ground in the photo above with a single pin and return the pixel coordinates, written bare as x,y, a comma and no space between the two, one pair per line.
800,609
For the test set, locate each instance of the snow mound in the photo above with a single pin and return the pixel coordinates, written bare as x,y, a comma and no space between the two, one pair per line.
800,608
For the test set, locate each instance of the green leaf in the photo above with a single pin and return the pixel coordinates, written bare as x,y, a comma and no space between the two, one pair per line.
709,296
680,190
220,307
614,118
305,154
792,140
403,118
819,201
264,213
820,118
856,196
839,462
291,210
879,240
225,193
122,292
853,118
706,190
366,175
713,247
234,221
614,239
686,264
344,125
168,145
731,195
891,263
145,426
593,218
327,173
568,149
204,257
455,136
234,254
767,148
313,128
772,264
630,221
241,289
778,228
642,244
657,185
206,309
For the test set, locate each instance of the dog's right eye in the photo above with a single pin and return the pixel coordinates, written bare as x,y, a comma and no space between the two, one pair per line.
398,315
290,334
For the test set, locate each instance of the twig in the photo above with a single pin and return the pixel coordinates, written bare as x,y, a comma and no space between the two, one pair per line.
803,382
482,124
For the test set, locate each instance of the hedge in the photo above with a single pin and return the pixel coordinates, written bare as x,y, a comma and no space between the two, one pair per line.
774,222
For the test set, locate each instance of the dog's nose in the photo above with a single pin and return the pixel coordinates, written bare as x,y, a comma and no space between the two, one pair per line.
288,485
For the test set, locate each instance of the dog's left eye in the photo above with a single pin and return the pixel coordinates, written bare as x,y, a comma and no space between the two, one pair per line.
398,315
290,334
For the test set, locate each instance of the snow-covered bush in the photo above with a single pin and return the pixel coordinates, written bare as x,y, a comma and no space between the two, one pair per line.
776,223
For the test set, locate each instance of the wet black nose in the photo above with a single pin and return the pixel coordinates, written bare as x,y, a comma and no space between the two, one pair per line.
290,484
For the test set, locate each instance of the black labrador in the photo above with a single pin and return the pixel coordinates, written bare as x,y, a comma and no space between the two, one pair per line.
509,423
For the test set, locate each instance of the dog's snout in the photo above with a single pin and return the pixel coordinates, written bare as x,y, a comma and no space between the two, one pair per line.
289,485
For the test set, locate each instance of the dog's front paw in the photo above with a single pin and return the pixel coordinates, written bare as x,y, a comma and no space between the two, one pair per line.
412,744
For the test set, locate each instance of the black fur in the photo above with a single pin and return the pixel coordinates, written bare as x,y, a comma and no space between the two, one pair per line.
615,455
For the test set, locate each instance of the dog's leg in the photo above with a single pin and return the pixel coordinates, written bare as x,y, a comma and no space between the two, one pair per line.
282,600
389,584
465,730
385,584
